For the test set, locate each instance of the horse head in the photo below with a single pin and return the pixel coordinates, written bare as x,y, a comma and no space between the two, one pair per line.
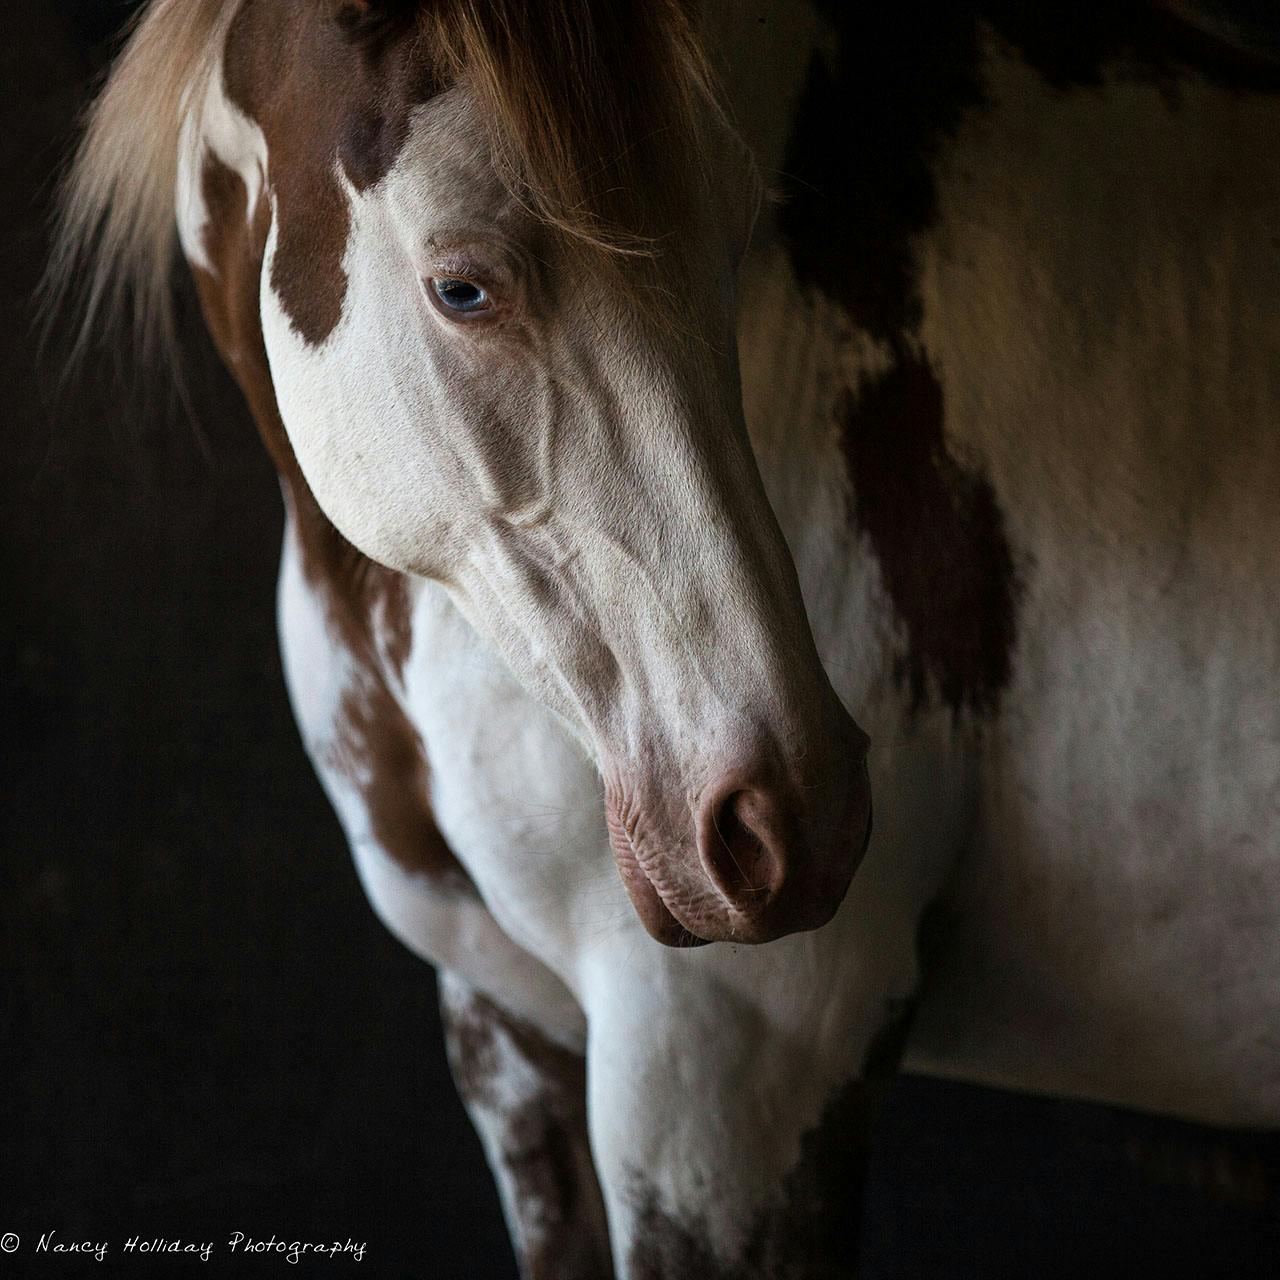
497,294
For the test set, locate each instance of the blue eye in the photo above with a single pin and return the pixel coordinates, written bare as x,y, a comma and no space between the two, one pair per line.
460,295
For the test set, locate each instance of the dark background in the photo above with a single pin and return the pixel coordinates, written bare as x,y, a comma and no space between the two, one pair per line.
204,1028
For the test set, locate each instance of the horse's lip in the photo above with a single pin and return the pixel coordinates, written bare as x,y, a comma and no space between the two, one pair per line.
658,919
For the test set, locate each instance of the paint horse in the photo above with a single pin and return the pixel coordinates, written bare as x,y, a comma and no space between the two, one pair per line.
614,490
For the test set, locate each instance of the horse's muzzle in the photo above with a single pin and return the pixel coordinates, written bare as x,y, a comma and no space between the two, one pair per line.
753,857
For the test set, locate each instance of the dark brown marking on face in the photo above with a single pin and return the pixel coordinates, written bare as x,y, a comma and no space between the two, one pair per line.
562,1231
812,1232
367,606
939,537
322,99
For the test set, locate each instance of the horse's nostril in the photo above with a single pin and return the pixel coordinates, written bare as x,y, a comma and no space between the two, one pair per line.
741,850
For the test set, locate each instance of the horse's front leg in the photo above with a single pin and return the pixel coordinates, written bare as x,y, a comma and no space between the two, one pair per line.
731,1138
527,1098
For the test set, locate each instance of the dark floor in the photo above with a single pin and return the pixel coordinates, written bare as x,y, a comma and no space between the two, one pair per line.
206,1030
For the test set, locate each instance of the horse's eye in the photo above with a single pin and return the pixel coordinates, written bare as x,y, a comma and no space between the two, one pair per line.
460,295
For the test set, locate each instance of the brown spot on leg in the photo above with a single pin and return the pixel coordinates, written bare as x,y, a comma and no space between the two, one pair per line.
938,534
812,1232
561,1232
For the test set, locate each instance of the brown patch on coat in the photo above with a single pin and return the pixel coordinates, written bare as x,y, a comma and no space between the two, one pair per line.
561,1230
876,113
1161,41
881,104
878,110
381,753
367,605
812,1233
939,537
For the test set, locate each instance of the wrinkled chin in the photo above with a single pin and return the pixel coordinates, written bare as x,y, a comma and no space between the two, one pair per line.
657,917
695,919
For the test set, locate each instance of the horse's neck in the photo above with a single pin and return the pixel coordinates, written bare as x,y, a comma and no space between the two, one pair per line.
1039,328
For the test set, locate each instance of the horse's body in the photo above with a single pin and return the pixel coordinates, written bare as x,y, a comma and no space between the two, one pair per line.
1013,394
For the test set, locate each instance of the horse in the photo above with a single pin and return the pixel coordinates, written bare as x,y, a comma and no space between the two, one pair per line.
692,424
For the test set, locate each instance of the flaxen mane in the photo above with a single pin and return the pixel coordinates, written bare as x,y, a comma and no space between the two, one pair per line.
116,216
590,105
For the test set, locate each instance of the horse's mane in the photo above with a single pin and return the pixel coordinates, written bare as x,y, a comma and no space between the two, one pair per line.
587,101
590,103
116,213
